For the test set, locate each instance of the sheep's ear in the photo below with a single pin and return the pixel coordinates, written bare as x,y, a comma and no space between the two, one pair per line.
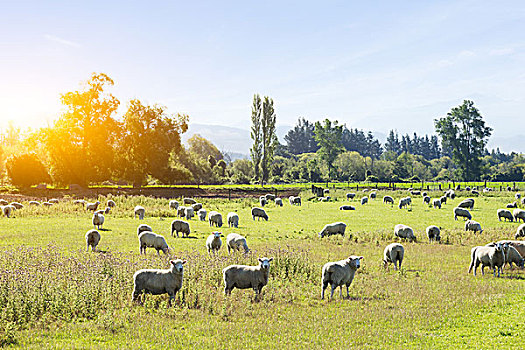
270,259
361,258
260,260
172,262
184,262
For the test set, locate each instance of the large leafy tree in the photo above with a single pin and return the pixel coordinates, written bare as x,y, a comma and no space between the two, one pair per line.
25,170
464,132
256,134
301,138
328,136
269,137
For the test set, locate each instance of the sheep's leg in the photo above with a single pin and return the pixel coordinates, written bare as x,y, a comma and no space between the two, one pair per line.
324,286
341,291
347,292
332,292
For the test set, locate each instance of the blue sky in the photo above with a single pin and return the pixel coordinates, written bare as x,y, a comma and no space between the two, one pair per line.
375,65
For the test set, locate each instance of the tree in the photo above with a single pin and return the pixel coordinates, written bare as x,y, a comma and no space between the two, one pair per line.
328,136
301,138
26,170
204,148
256,135
392,143
269,137
464,132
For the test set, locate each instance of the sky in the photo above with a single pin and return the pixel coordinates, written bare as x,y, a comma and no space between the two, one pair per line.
374,65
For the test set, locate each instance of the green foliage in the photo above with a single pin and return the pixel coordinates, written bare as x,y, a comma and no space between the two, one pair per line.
301,139
256,151
203,147
26,170
269,137
328,136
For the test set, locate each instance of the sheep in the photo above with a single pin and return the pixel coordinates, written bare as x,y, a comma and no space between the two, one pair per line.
35,203
426,200
517,196
450,194
181,211
433,233
364,200
294,200
350,195
3,202
90,206
436,203
523,201
346,207
373,195
232,219
518,245
278,202
196,207
92,239
326,191
290,199
52,200
17,205
512,255
404,202
262,201
188,201
333,229
393,254
388,199
99,212
111,203
98,220
487,190
512,205
235,241
443,200
7,210
189,213
158,281
149,239
47,204
215,218
143,228
79,201
243,276
415,192
107,210
366,190
269,197
140,211
506,214
180,226
487,256
519,214
259,213
424,194
213,242
462,212
520,232
173,204
467,203
404,231
475,192
202,214
474,226
339,273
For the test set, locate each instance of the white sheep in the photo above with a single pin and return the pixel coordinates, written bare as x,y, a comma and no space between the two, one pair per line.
426,200
404,231
333,229
474,226
196,207
35,203
506,214
47,204
202,214
243,276
346,207
143,228
3,202
279,202
214,242
467,203
512,205
364,200
7,210
181,211
404,202
111,203
188,201
436,203
338,274
294,200
443,200
373,195
158,281
259,213
350,195
235,241
518,214
388,200
98,220
140,211
189,213
180,226
520,232
89,206
149,239
433,233
512,255
487,256
462,212
52,200
233,219
92,239
517,196
78,201
269,197
215,218
17,205
262,201
393,254
173,204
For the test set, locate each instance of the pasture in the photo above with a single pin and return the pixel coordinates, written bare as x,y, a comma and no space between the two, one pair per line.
54,294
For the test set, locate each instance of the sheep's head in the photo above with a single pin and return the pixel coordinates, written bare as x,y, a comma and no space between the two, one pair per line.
354,261
217,234
265,262
178,265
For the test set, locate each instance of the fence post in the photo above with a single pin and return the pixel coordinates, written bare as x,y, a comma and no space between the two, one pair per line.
229,194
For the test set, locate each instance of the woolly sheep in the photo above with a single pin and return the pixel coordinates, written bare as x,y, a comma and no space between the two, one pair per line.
143,228
373,195
393,254
436,203
512,205
189,213
279,202
346,207
181,211
174,204
34,203
350,195
517,196
262,201
259,213
7,210
3,202
404,202
519,214
269,197
404,231
92,239
235,241
188,201
424,194
79,201
17,205
512,255
462,212
326,191
295,200
475,192
523,201
98,220
47,204
443,200
107,210
433,233
415,192
158,281
232,219
149,239
364,200
518,245
506,214
365,190
336,228
202,214
91,206
474,226
243,276
213,242
450,194
215,218
388,199
290,199
180,226
426,199
487,256
338,274
140,211
467,203
520,232
111,203
196,207
53,200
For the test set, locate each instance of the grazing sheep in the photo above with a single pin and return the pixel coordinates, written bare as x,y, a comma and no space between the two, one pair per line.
47,204
278,202
509,188
269,197
338,274
462,212
180,226
143,228
52,200
512,255
158,281
365,190
336,228
188,201
294,200
424,194
213,242
467,203
107,210
202,214
404,202
99,211
243,276
90,206
259,213
290,199
196,207
17,205
364,200
520,232
512,205
189,213
346,207
92,239
79,201
450,194
7,210
3,202
326,191
262,201
350,195
174,204
475,192
517,196
149,239
35,203
506,214
388,200
393,254
235,241
415,192
487,256
404,231
373,195
519,214
111,203
443,200
474,226
486,190
181,211
140,211
426,200
215,218
98,220
433,233
436,203
232,219
523,201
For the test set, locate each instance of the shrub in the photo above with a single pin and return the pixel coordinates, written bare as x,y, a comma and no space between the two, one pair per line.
26,170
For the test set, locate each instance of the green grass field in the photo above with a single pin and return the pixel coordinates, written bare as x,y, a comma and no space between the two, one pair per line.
54,294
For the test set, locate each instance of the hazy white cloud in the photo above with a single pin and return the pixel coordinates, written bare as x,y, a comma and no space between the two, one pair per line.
502,51
61,40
